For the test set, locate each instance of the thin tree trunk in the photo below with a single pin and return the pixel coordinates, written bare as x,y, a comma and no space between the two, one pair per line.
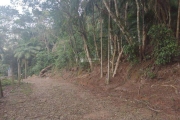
1,90
144,35
74,44
125,19
19,71
95,44
178,22
114,54
117,62
101,45
12,75
73,49
94,35
118,43
126,9
46,44
169,16
25,68
87,51
143,32
109,37
138,28
121,42
116,8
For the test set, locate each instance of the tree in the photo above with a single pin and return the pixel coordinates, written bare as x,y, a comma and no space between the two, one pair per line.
24,52
138,28
1,90
178,23
101,22
109,39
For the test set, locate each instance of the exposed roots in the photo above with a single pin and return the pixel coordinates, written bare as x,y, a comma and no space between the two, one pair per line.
148,105
176,91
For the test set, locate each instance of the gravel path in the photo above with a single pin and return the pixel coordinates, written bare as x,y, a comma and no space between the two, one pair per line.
49,99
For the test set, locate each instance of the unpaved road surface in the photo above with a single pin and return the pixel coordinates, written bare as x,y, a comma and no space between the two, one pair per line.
50,99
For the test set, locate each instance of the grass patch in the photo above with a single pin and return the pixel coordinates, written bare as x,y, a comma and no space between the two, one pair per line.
150,73
23,88
6,82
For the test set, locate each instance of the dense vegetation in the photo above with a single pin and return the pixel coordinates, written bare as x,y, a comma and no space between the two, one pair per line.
82,33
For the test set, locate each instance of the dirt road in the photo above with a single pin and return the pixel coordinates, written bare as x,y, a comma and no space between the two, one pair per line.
50,99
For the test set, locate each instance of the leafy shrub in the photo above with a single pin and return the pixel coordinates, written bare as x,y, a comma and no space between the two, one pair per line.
41,61
150,74
6,82
3,69
84,65
65,58
164,43
131,50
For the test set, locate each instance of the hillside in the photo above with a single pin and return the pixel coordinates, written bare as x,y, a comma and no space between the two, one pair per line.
156,88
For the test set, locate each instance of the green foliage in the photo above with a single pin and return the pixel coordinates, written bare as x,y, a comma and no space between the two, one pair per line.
41,61
84,65
65,57
6,82
3,69
131,50
26,51
164,43
150,74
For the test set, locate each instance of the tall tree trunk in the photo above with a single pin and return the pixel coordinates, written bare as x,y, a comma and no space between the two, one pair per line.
109,38
144,36
1,90
73,41
12,75
117,62
178,22
94,34
25,61
101,43
138,28
114,53
112,45
169,24
73,49
119,23
143,32
19,71
87,51
116,8
126,9
46,44
118,43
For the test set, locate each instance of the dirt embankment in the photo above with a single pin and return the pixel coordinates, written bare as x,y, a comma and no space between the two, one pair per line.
156,88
